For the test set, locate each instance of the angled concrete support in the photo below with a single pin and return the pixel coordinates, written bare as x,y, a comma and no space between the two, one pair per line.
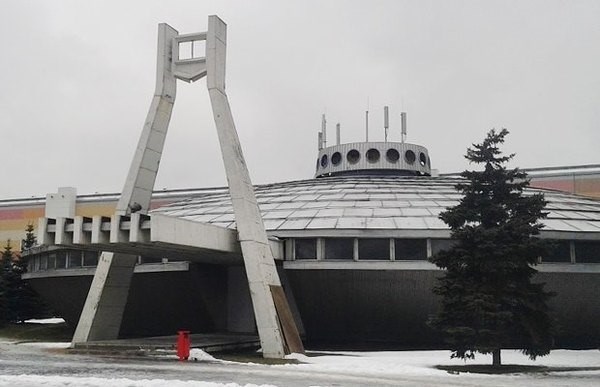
104,306
277,330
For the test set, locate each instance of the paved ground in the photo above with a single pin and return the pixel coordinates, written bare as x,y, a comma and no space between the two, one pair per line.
39,365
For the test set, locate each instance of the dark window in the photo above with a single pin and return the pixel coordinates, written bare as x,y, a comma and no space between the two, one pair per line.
61,259
324,161
90,258
587,252
438,245
44,262
306,248
373,155
392,155
353,156
375,249
336,158
410,157
74,258
422,159
411,249
339,248
51,261
558,251
147,259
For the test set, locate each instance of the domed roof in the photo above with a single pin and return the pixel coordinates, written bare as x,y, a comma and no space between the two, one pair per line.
393,203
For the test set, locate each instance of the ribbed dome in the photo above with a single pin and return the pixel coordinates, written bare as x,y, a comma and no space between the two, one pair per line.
367,203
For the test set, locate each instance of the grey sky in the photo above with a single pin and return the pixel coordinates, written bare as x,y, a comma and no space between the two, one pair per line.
78,77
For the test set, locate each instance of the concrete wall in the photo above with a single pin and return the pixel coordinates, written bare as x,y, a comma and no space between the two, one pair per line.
355,308
159,303
389,308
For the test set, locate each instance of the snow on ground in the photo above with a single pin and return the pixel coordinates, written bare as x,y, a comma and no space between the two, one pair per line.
56,381
30,364
53,320
39,344
423,363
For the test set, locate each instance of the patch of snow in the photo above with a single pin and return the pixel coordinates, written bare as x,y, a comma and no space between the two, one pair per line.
60,381
53,320
197,354
46,345
423,363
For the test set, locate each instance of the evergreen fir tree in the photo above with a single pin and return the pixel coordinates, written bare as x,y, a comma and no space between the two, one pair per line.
488,301
9,284
30,239
29,304
3,298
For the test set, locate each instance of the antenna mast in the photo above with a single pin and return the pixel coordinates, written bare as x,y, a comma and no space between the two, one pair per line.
386,121
403,123
324,130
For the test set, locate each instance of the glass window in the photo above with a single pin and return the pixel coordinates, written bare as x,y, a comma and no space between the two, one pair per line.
90,258
306,248
51,260
374,249
438,245
44,262
587,251
61,259
339,248
36,263
147,259
558,251
411,249
74,258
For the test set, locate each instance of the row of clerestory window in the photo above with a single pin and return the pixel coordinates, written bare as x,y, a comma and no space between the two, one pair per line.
373,156
411,249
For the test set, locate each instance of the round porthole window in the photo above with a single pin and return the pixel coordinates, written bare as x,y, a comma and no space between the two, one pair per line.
422,159
392,155
336,158
353,156
324,161
410,156
373,155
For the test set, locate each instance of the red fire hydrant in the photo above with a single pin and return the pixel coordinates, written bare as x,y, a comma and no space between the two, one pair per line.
183,345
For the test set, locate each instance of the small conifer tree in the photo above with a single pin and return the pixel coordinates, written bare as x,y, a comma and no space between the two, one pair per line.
488,301
9,284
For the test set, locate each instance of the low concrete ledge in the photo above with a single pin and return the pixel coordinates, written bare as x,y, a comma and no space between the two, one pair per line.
90,271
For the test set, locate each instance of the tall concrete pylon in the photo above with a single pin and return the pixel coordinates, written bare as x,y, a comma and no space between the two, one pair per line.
105,304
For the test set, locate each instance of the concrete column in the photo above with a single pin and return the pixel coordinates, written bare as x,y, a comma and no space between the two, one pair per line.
103,310
258,259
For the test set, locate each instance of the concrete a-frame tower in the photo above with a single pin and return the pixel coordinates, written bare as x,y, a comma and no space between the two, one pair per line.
104,306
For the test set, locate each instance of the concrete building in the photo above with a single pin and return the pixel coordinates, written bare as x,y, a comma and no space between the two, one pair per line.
351,246
342,256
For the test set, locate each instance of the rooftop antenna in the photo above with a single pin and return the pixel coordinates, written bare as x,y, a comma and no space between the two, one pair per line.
403,123
337,133
386,121
320,140
367,121
324,130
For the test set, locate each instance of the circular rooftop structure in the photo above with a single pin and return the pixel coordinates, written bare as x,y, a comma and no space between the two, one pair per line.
373,158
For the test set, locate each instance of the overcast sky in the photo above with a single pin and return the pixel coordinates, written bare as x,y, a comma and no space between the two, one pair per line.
78,76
